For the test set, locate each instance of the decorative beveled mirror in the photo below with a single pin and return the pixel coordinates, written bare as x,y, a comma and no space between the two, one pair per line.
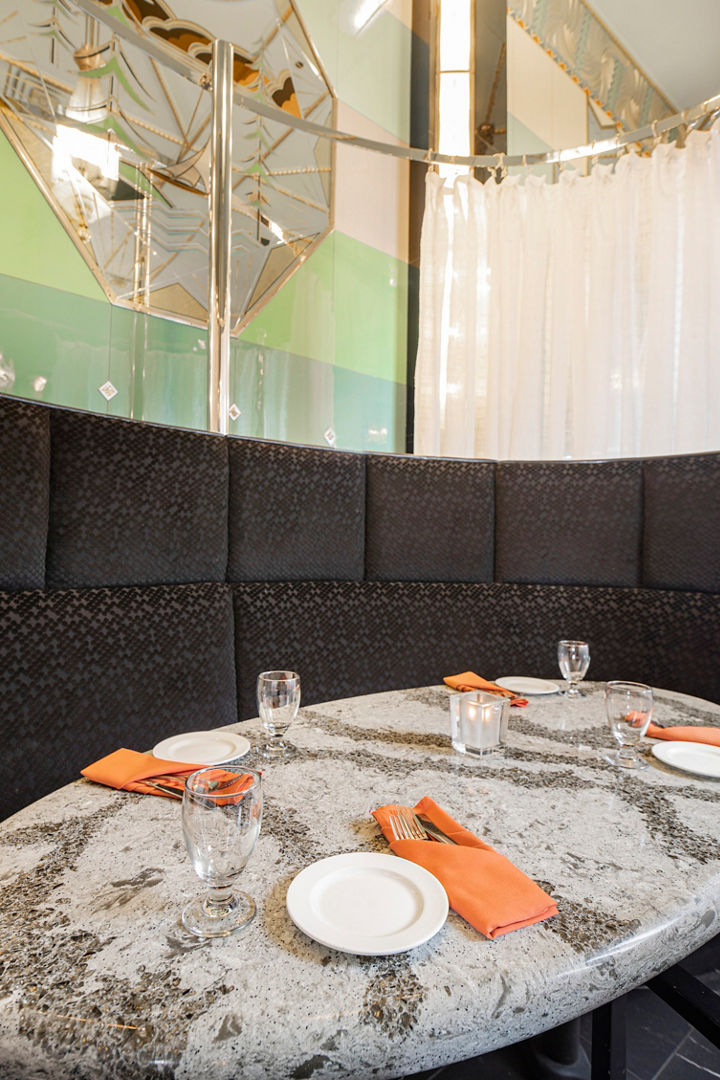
108,103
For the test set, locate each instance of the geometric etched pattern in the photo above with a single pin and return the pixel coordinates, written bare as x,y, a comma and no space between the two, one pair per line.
582,46
109,106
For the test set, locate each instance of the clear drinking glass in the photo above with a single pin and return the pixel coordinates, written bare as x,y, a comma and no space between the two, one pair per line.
629,708
278,699
574,660
221,815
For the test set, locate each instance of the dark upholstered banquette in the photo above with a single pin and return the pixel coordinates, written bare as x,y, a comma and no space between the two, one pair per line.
148,574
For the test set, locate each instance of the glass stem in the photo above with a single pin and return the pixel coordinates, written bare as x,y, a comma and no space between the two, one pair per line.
219,902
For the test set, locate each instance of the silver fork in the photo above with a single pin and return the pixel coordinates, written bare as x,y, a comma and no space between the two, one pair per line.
405,826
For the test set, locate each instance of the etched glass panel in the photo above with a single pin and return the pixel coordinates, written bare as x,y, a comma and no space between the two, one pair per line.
108,103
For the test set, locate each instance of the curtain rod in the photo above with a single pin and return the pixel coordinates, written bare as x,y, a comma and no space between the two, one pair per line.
198,73
686,118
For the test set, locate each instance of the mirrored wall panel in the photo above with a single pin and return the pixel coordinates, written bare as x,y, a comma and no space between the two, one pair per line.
108,102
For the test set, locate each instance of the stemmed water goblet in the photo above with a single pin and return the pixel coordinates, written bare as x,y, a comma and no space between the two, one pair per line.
629,708
221,815
278,698
574,660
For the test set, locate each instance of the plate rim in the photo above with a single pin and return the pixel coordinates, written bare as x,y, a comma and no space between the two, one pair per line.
418,875
243,745
667,746
547,682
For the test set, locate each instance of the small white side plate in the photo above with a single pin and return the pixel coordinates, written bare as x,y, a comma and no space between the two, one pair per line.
521,685
366,903
203,747
692,757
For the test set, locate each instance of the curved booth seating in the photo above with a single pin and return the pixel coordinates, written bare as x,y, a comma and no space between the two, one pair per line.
148,574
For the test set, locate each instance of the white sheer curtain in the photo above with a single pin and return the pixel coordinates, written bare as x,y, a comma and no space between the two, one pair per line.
573,320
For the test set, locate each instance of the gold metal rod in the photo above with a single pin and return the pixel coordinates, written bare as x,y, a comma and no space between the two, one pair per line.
219,312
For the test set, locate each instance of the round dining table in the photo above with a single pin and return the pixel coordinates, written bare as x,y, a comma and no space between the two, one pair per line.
101,982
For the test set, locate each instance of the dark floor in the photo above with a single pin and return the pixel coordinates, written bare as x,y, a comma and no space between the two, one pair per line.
660,1044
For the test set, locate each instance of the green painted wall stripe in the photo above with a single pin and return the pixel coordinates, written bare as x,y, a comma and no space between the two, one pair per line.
358,299
370,311
159,369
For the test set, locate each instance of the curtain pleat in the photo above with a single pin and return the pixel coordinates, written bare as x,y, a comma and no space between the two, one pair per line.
573,320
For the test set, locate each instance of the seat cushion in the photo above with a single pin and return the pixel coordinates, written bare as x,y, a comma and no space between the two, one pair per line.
24,493
569,523
681,544
84,672
296,512
133,504
430,519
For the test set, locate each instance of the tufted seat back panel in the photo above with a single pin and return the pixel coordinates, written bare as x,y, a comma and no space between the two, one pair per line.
682,523
360,637
430,519
133,504
296,513
569,523
24,494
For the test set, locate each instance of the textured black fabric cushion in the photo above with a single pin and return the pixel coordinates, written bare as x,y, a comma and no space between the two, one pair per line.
351,637
569,523
83,672
430,519
133,504
296,512
24,494
682,522
348,638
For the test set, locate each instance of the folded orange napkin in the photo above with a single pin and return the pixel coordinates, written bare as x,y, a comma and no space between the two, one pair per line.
687,733
468,680
482,885
127,769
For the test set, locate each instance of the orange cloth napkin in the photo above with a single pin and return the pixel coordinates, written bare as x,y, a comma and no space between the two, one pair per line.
687,733
127,769
468,680
482,885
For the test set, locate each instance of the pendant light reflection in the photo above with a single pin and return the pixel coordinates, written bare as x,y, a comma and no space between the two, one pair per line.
74,148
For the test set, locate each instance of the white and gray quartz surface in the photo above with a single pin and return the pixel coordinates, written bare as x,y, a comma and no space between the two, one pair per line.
99,980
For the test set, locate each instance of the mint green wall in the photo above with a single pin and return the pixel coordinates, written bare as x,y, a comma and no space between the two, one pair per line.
325,359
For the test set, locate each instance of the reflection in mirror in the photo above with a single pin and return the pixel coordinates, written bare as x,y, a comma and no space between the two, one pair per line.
107,102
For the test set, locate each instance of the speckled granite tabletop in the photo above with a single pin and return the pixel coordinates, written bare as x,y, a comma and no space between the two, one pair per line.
99,980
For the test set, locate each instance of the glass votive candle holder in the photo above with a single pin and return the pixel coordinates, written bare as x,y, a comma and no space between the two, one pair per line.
478,722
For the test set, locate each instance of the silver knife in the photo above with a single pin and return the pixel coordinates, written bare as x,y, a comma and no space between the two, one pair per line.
432,829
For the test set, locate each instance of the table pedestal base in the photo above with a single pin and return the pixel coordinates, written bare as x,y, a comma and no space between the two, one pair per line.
557,1054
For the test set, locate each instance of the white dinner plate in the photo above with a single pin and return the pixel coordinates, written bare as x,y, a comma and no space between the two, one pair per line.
366,903
692,757
522,685
202,747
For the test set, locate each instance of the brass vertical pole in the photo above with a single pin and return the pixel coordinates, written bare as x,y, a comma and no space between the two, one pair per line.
219,314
